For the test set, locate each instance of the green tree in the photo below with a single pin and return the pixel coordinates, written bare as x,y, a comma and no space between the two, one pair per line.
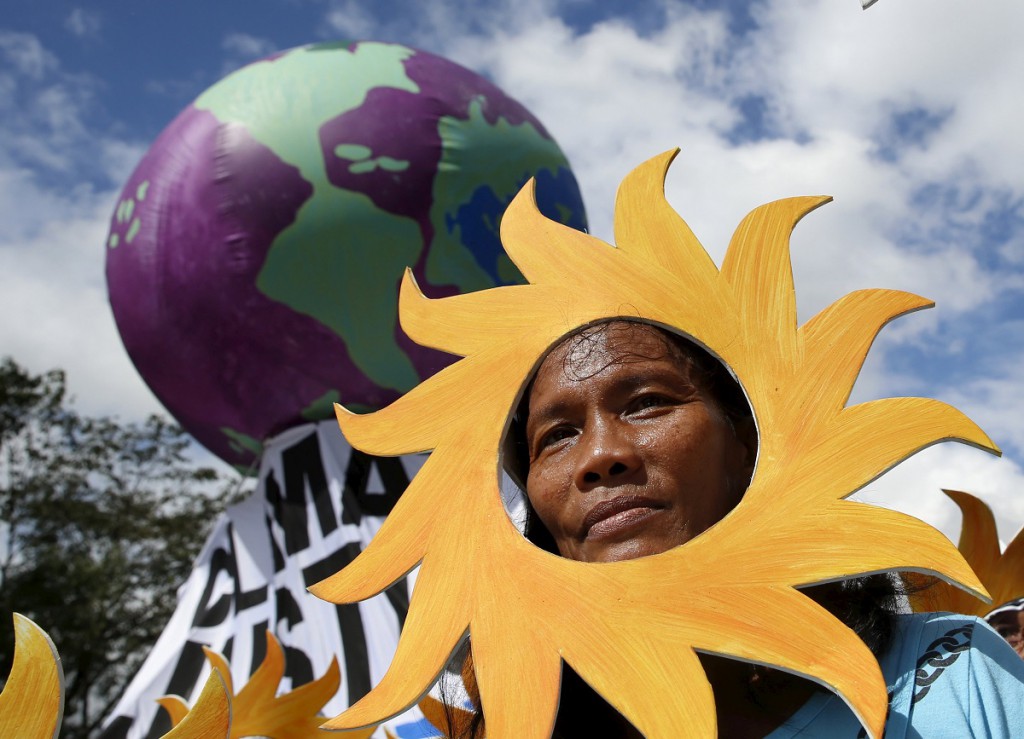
99,524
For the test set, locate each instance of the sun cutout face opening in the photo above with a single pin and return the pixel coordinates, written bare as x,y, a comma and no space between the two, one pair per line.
632,629
629,440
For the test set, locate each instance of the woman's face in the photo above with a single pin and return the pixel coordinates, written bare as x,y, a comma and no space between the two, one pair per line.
629,456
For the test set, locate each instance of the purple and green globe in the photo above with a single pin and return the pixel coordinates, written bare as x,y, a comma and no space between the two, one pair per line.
255,254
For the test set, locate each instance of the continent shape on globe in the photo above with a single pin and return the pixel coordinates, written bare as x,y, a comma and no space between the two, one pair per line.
255,253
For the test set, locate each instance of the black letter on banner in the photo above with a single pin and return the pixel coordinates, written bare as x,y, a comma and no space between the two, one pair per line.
259,646
297,663
211,614
297,666
287,608
353,638
278,556
182,681
290,515
301,464
357,501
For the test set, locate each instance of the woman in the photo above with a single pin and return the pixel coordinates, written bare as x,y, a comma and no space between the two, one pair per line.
632,440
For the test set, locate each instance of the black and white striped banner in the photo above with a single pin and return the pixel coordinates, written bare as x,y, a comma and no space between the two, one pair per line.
317,504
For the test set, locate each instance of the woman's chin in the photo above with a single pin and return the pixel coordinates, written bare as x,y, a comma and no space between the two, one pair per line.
632,548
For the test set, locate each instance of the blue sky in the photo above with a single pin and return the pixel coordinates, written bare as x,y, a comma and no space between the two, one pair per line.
908,113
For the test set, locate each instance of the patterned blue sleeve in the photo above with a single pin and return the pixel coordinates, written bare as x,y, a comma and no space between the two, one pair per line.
967,682
949,676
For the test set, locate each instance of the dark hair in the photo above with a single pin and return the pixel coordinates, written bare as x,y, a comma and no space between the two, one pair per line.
867,605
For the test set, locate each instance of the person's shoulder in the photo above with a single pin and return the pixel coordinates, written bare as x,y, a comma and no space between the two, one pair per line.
926,646
941,642
941,631
935,620
953,671
944,633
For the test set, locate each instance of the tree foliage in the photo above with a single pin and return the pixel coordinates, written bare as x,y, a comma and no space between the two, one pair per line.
99,524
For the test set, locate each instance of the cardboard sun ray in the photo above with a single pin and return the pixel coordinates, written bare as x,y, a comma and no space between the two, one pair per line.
630,628
257,709
1002,573
32,702
210,717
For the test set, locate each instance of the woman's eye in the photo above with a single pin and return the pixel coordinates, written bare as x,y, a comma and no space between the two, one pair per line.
649,401
555,435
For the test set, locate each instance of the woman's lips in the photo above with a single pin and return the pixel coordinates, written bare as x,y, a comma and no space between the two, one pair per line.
611,517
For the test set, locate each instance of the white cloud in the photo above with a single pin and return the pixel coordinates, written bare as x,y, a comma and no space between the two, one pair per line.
53,223
351,19
119,158
53,293
835,67
612,97
44,110
83,23
247,46
26,55
185,89
996,399
915,487
243,48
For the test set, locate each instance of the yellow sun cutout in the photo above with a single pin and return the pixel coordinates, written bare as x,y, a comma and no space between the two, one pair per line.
32,701
630,628
210,717
257,709
1001,573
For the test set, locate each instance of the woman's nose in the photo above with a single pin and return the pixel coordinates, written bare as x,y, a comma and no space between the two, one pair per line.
605,454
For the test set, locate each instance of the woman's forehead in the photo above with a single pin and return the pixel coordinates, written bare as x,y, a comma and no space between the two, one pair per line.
592,350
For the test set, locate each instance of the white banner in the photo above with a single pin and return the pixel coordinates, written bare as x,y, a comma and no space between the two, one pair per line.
317,504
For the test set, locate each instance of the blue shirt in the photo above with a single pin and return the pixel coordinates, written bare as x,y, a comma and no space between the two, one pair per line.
949,677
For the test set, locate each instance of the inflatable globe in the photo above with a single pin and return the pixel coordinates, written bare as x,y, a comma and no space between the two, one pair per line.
255,254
